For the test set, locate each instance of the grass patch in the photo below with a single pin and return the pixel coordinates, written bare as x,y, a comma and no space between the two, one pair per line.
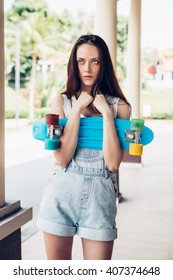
10,100
10,105
12,114
160,101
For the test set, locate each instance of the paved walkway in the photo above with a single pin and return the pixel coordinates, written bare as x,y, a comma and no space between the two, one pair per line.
145,216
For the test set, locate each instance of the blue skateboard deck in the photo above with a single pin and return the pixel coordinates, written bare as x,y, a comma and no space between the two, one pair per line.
91,132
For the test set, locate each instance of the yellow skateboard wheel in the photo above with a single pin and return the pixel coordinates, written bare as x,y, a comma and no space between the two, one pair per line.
135,149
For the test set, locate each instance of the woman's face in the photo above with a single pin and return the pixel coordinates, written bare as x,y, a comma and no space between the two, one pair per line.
88,59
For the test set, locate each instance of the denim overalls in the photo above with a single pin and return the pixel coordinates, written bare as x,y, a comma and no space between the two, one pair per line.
80,199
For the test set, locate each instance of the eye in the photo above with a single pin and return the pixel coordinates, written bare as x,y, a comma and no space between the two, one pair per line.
80,61
95,61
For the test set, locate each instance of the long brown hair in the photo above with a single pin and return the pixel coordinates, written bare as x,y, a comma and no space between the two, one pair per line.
106,83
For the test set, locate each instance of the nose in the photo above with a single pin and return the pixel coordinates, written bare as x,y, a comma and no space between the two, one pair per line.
87,66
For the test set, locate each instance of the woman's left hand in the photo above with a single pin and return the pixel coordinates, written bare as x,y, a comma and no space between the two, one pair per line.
101,104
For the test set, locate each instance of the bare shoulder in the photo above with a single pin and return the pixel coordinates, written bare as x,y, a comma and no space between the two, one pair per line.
57,104
124,110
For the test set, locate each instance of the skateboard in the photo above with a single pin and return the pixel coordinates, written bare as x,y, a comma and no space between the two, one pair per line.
133,135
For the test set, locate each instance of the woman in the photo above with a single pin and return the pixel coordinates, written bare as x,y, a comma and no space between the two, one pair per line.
81,194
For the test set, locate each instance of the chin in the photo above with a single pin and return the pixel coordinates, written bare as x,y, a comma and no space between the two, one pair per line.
88,86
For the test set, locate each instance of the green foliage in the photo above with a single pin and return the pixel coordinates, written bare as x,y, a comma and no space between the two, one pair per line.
46,37
122,35
40,30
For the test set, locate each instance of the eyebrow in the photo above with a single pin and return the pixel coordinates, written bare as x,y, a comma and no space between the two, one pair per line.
91,58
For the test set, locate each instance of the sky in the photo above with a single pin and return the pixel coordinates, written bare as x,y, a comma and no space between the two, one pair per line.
157,19
157,23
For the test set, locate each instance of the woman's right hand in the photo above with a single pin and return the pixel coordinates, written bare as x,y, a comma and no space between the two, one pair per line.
83,100
67,148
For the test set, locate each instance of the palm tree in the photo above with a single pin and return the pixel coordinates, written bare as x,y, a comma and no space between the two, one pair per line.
41,37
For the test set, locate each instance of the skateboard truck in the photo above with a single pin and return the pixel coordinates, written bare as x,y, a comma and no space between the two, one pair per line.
54,132
133,135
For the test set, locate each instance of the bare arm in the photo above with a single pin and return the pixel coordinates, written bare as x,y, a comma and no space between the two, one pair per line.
112,151
68,140
124,110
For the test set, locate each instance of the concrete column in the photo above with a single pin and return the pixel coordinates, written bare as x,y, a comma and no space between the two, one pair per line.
133,68
106,25
12,216
2,180
133,58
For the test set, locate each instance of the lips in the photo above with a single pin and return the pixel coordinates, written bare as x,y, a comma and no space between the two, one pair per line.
87,77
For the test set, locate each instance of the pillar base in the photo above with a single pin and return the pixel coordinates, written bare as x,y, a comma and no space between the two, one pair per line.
12,218
11,246
130,158
128,161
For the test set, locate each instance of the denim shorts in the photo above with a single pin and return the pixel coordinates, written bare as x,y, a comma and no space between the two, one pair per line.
80,199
